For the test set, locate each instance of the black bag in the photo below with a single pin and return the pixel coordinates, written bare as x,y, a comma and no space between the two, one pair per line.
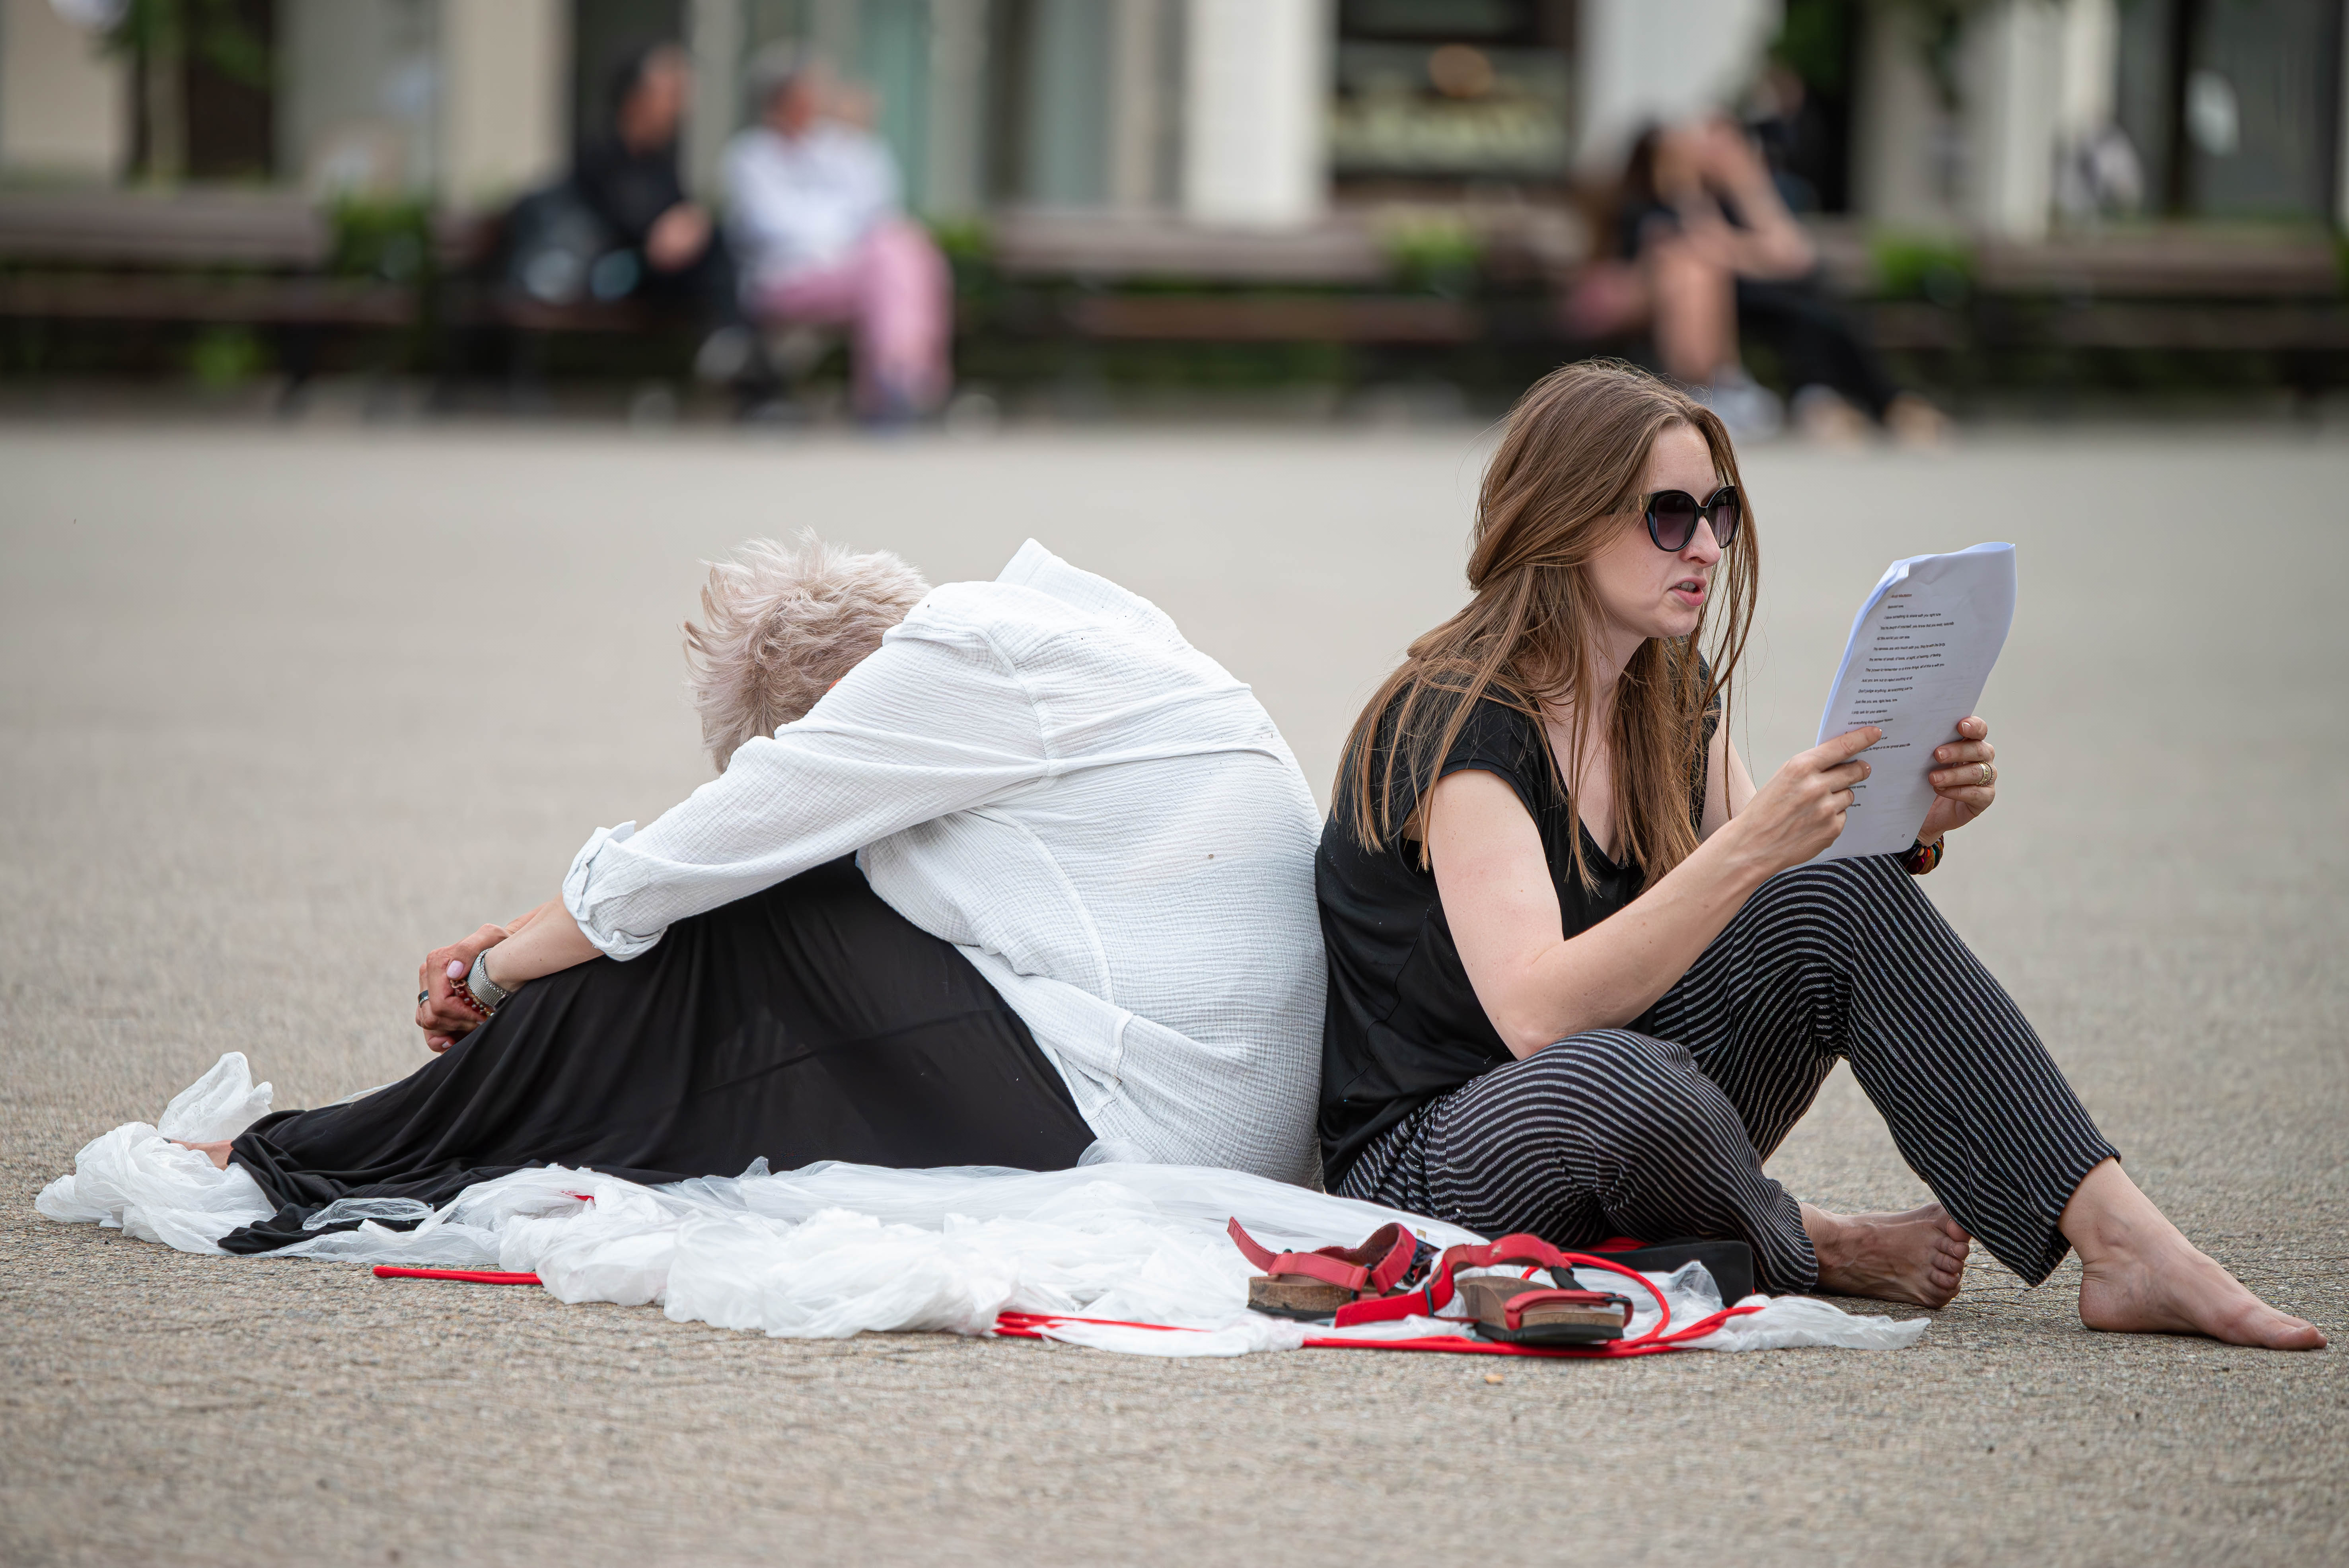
1731,1264
558,252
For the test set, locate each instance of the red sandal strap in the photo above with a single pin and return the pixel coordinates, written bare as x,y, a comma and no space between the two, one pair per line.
1375,1267
1436,1295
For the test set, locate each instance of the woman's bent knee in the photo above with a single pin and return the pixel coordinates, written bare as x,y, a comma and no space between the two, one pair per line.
1596,1114
1609,1074
1841,902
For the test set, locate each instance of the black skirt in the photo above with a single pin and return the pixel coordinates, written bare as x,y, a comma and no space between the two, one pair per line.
808,1022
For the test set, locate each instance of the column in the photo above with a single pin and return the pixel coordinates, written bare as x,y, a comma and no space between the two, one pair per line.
957,108
1644,62
2092,64
1905,139
1254,91
64,104
2014,84
504,103
1140,108
713,36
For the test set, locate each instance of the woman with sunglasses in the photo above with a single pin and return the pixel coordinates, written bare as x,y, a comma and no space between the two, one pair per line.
1577,986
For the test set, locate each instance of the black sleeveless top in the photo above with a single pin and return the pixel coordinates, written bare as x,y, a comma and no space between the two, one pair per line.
1404,1024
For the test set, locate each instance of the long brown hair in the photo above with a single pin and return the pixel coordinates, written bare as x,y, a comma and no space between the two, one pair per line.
1564,480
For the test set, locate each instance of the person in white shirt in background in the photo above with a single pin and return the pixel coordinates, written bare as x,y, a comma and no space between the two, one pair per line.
1077,924
815,215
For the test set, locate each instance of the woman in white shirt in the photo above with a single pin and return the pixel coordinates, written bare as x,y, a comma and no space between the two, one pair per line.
816,218
1024,879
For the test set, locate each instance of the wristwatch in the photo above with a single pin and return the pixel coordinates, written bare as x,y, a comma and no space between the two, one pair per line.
486,991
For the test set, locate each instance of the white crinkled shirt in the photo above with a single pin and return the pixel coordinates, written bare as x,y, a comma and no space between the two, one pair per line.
1042,771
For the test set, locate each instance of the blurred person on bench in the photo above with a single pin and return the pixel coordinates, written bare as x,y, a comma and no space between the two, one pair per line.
664,243
1703,226
815,215
1003,873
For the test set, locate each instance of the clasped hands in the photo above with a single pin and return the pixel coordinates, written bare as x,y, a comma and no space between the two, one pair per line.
441,1011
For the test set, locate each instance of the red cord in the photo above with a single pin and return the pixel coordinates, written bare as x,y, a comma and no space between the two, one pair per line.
1028,1321
1031,1325
1663,1307
466,1276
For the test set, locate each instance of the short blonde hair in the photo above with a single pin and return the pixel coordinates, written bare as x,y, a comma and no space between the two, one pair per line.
779,623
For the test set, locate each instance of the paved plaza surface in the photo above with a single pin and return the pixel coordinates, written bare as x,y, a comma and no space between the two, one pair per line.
281,709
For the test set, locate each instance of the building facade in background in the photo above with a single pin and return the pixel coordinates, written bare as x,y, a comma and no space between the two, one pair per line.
1999,117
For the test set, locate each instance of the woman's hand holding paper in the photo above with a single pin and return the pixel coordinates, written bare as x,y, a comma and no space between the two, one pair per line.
1964,782
1801,811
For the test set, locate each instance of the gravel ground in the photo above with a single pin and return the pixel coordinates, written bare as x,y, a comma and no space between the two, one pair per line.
281,709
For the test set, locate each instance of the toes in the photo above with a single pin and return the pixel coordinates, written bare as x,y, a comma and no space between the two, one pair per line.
2274,1330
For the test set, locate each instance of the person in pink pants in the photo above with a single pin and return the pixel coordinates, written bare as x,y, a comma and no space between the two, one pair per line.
894,292
815,216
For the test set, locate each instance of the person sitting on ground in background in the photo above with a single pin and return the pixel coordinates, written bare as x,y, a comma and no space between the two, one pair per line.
994,874
814,214
628,179
1703,218
1583,976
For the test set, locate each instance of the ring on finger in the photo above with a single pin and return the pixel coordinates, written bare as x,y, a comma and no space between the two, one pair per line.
1987,775
420,996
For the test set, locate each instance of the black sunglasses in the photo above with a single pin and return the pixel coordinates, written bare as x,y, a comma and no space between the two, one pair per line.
1672,517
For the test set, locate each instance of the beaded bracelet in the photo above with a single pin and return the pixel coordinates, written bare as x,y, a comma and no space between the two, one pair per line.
1920,857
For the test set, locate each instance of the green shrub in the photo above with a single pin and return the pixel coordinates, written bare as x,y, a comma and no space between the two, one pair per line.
386,238
223,357
1439,253
1936,267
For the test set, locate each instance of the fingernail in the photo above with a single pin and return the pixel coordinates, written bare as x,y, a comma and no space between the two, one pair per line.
456,970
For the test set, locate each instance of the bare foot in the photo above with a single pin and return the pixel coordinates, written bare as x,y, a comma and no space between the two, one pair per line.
215,1152
1917,1257
2139,1275
2184,1292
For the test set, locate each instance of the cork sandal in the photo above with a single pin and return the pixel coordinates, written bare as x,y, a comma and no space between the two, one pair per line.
1516,1311
1308,1286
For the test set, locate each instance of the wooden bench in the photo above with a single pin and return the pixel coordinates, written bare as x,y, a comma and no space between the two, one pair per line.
1154,278
2156,288
97,260
256,258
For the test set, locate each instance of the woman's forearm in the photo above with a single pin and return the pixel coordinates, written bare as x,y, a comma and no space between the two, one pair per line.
542,942
1612,973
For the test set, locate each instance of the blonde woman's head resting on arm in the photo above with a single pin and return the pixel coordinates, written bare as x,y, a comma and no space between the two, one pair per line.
781,623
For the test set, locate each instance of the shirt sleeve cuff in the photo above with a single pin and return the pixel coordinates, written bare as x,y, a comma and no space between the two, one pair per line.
589,892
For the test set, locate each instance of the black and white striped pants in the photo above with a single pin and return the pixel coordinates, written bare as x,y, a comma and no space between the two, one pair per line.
1660,1130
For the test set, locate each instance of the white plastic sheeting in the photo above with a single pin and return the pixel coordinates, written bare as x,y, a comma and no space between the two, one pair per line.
135,1179
833,1250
